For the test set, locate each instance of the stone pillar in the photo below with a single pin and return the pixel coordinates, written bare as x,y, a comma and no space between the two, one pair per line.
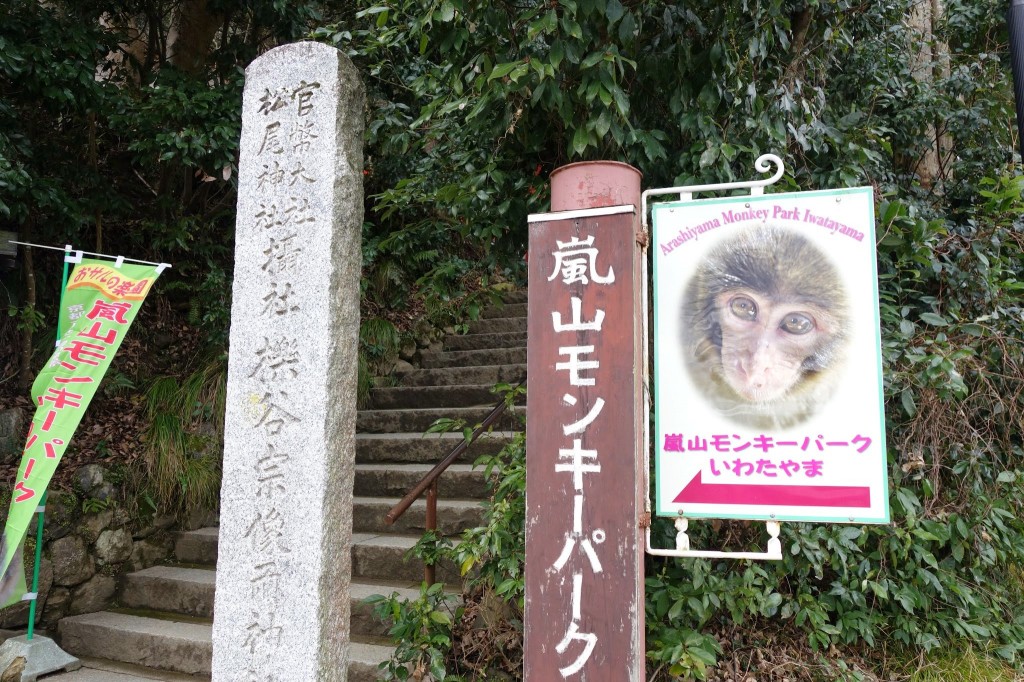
284,562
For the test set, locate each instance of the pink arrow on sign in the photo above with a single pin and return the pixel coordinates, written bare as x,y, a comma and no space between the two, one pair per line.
788,495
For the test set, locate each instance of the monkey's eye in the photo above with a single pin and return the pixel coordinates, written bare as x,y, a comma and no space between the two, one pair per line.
743,308
797,323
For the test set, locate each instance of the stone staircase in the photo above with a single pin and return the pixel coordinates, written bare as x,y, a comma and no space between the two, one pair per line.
164,615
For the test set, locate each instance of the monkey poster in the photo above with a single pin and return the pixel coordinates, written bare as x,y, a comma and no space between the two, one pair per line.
768,389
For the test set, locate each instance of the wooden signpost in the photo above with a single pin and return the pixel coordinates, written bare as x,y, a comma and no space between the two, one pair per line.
584,546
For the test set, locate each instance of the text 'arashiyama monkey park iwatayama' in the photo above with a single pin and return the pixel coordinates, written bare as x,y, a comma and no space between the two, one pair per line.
765,322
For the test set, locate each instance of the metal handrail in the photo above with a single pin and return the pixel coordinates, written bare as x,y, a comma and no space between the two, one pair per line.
428,483
432,476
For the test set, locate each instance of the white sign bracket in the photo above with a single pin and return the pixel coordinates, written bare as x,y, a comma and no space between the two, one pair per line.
774,552
686,192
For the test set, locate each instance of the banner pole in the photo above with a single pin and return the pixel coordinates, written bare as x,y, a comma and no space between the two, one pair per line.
42,501
35,567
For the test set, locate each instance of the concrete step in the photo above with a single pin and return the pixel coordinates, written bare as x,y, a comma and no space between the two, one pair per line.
395,480
364,659
485,341
151,642
419,420
173,589
453,516
364,622
197,546
517,296
495,325
420,448
190,591
451,376
376,556
473,358
504,310
407,397
103,670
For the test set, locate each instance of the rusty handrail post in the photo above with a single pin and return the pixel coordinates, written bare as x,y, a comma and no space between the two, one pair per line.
428,566
428,484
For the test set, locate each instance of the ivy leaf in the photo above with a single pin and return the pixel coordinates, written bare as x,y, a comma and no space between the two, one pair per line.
502,70
880,590
580,140
592,58
621,101
572,28
709,156
614,11
556,53
627,28
518,72
909,406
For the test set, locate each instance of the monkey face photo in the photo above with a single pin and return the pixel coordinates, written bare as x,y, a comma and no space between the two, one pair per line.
765,322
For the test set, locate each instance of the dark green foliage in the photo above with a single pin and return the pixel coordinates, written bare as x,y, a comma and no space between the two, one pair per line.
474,103
47,86
422,627
184,120
471,105
106,145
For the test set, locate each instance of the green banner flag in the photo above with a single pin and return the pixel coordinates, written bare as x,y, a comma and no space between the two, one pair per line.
99,305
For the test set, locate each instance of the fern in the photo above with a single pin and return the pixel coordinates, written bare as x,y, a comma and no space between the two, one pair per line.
184,440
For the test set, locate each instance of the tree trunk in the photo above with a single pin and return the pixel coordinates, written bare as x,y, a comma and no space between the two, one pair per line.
28,315
929,63
126,64
191,34
800,24
941,73
95,163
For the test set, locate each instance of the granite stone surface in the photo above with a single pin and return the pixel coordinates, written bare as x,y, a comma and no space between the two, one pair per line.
281,609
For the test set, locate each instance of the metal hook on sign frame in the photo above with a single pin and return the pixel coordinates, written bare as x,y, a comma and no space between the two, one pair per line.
686,192
682,548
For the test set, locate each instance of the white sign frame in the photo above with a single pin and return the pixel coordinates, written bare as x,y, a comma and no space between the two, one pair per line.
851,467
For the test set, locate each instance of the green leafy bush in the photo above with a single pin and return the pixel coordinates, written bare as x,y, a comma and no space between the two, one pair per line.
422,629
184,439
479,101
